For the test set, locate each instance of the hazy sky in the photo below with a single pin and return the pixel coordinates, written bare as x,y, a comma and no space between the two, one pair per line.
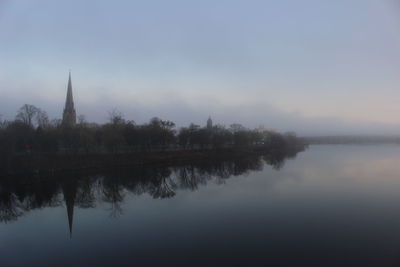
318,66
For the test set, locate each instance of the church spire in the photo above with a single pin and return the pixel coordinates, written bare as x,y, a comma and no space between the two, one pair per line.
69,115
70,100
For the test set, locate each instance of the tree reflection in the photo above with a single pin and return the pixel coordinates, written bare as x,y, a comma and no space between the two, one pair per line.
23,194
9,207
113,193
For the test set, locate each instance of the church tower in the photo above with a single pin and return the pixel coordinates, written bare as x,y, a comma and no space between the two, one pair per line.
69,115
209,123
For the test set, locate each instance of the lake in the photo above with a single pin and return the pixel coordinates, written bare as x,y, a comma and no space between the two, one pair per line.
331,205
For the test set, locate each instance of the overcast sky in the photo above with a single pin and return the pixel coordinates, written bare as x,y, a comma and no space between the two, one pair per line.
311,66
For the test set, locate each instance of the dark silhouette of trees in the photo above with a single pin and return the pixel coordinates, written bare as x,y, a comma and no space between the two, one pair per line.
32,132
18,137
160,133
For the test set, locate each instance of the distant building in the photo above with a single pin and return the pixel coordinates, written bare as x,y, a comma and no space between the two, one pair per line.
69,115
209,123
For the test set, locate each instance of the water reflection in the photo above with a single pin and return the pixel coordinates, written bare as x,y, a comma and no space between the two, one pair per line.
19,195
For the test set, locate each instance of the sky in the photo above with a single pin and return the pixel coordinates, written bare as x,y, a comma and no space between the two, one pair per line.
315,67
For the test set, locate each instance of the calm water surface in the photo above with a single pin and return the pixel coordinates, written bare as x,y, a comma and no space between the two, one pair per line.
329,206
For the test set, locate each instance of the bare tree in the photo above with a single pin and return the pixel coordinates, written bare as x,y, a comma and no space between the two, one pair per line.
116,117
42,118
26,114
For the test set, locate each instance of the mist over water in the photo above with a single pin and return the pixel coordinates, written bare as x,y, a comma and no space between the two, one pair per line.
329,206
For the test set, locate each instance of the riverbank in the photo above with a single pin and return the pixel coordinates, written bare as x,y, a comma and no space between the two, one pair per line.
51,164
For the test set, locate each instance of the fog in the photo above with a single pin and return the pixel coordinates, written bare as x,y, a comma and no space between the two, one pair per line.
315,67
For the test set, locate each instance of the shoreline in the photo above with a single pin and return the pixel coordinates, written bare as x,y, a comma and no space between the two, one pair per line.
53,164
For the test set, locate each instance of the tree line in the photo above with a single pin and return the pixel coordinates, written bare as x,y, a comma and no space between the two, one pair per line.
33,132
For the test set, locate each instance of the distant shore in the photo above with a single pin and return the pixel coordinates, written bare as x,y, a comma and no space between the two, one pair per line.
352,139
